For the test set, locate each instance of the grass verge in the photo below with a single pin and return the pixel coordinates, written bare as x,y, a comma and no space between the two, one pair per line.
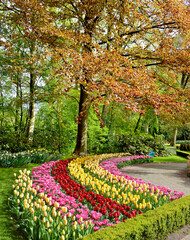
7,232
172,158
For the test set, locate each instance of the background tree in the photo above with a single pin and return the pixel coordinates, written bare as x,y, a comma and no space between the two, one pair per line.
74,35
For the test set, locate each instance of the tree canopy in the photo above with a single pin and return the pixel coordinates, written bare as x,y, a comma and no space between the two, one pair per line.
110,50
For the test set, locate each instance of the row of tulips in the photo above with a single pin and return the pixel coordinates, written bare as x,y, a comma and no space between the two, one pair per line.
119,189
110,209
110,165
43,211
38,212
72,198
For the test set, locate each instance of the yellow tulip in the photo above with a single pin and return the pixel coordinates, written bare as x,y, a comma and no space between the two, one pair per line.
21,195
64,209
62,237
56,204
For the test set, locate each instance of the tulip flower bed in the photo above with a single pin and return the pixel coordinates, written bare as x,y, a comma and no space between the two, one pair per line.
19,159
71,198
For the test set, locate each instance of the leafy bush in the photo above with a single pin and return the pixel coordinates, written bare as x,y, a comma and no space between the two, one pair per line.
134,143
182,141
142,143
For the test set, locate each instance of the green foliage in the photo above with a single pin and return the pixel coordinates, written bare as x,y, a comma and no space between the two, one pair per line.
154,224
11,142
56,128
182,141
22,158
141,143
14,159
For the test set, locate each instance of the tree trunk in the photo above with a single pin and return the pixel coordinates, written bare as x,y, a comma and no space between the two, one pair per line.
2,106
59,145
105,110
17,106
32,107
137,125
21,108
184,80
173,142
146,128
84,107
31,111
104,115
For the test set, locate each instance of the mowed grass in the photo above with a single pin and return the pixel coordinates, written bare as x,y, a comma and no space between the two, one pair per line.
172,158
7,232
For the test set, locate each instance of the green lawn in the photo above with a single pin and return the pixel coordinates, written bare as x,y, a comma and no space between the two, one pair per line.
7,232
172,158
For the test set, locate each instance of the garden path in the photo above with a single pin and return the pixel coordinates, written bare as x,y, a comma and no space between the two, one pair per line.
171,175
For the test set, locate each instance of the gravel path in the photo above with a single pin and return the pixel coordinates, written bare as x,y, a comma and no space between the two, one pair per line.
171,175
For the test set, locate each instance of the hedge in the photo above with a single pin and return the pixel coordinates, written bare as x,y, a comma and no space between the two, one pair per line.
183,154
154,224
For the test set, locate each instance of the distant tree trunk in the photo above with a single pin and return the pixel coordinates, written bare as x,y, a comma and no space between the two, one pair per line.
21,108
139,119
173,142
59,145
84,107
146,128
105,110
184,80
2,107
31,111
17,106
32,106
104,115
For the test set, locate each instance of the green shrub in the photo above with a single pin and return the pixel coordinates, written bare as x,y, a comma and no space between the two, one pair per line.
183,153
134,143
141,144
154,224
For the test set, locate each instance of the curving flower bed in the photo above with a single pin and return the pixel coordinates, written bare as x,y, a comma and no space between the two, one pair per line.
72,198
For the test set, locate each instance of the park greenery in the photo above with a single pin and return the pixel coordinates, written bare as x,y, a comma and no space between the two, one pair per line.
87,76
105,83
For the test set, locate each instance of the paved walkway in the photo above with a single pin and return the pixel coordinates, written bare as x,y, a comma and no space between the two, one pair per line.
170,175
